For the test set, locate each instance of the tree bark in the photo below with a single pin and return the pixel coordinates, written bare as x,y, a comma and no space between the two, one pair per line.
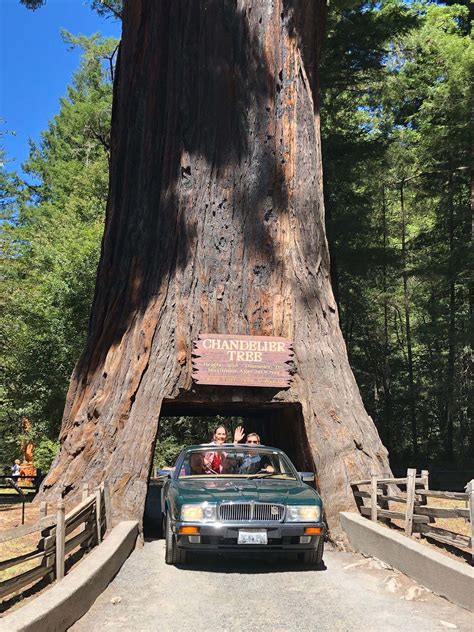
215,224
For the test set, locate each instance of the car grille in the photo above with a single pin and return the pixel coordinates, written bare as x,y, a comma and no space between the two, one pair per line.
251,512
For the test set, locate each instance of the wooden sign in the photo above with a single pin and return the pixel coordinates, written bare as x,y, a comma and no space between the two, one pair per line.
229,360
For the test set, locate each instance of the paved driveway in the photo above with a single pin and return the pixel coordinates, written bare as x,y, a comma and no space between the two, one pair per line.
226,594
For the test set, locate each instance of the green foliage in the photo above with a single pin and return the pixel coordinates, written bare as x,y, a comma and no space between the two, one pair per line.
103,7
51,243
108,7
33,4
10,447
396,81
396,142
44,454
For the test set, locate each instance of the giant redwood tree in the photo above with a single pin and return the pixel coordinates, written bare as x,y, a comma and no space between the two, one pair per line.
215,223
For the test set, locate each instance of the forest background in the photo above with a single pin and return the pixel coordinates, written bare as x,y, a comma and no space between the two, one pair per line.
396,104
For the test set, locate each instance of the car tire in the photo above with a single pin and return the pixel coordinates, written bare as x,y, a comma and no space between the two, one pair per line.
314,558
173,554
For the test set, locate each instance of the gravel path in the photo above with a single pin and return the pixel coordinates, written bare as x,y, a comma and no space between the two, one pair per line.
228,594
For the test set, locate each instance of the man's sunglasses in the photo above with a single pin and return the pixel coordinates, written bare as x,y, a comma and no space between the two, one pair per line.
252,441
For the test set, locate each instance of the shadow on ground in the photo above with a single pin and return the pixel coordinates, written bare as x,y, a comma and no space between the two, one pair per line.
252,565
257,565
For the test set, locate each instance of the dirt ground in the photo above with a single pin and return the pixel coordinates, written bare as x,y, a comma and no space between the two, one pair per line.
457,525
254,594
10,517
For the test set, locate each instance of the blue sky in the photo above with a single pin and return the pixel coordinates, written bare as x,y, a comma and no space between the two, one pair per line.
36,66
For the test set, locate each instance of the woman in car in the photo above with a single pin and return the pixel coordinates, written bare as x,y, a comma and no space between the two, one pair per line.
213,460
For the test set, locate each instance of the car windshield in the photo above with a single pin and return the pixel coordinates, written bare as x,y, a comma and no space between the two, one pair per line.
252,462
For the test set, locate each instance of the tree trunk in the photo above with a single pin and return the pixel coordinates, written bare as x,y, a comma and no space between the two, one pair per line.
406,305
448,421
386,376
215,224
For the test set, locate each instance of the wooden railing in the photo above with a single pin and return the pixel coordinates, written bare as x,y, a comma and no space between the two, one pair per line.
11,484
25,482
418,516
86,525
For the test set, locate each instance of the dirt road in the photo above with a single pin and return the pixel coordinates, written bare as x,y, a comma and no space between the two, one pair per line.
227,595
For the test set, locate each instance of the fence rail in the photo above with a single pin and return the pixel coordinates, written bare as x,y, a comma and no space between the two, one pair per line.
418,516
55,550
24,481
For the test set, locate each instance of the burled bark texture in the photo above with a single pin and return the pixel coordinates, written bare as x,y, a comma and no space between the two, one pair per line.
215,223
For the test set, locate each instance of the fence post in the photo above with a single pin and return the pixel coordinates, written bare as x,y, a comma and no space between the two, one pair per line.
425,480
411,475
60,540
373,497
358,500
43,509
85,490
108,506
470,493
383,504
98,513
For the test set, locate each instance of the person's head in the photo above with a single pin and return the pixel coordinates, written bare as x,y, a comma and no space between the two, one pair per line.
220,435
253,438
17,461
229,464
196,463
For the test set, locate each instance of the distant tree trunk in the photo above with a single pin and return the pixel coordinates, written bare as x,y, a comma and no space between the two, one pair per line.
386,378
406,303
215,223
448,421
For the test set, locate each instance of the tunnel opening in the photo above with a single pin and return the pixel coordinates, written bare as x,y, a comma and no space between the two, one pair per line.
279,425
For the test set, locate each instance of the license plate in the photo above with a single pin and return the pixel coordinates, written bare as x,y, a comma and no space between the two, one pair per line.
256,536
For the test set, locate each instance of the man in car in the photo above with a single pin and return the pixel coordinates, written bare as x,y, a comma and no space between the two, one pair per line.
253,463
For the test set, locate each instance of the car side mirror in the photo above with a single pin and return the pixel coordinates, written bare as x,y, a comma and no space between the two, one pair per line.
307,477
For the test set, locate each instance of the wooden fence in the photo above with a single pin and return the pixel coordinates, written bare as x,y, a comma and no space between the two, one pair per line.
24,482
64,538
418,517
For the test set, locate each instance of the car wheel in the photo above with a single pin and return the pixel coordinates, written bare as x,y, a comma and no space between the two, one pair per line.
173,555
314,558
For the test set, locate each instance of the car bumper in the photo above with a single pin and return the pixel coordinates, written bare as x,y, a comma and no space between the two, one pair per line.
282,537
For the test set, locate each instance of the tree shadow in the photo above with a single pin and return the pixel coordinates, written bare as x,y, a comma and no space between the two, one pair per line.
195,94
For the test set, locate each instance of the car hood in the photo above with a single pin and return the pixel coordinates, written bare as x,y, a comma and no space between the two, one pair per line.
269,490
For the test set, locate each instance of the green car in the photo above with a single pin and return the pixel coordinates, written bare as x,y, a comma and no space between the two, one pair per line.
240,498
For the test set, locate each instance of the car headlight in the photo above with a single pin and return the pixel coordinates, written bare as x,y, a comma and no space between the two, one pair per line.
203,512
303,513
